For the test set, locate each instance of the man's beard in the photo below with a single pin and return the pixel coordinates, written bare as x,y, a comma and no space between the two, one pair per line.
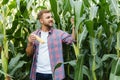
48,25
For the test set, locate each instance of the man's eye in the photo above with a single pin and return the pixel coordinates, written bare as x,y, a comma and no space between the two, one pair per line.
48,17
51,16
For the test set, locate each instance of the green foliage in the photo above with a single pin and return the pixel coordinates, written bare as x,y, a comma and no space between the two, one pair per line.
94,56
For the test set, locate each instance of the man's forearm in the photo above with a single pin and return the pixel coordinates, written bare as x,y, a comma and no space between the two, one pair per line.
73,32
29,49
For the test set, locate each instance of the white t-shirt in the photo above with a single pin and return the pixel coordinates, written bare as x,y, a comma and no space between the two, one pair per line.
43,59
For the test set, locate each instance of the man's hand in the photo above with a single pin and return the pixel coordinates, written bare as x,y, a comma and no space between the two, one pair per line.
31,38
73,27
29,49
72,20
34,37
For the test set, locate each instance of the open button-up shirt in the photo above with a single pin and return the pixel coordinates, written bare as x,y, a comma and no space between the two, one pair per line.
55,39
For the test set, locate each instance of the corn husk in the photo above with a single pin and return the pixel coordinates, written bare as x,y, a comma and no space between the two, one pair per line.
39,39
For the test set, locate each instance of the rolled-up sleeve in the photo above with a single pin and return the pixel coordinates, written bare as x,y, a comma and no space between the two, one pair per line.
67,38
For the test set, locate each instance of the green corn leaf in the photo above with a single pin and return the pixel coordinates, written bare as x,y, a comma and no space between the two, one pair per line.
82,36
93,12
57,66
118,44
114,5
107,56
14,61
67,6
93,46
76,49
99,32
5,11
18,4
86,71
79,68
89,25
72,63
78,8
115,71
78,5
12,5
86,3
114,77
72,3
5,2
4,62
17,66
29,4
53,4
18,31
5,73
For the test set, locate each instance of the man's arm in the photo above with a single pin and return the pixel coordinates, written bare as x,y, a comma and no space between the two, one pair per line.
73,28
29,49
30,46
73,32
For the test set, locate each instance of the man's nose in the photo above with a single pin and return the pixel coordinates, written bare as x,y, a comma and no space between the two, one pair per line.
51,18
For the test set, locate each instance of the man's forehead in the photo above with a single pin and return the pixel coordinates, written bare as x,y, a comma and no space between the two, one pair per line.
47,14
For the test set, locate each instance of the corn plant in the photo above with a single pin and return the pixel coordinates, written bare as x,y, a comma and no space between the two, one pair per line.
116,63
92,16
11,39
4,52
94,55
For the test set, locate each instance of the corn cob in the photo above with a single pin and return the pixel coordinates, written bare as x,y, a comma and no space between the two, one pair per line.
39,39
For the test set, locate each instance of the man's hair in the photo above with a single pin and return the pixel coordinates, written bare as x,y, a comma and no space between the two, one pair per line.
39,15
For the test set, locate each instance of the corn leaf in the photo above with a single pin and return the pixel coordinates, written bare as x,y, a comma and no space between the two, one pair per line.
67,6
89,25
115,71
14,61
114,7
54,10
4,62
93,12
18,4
17,66
5,2
5,73
86,71
107,56
82,36
79,68
76,49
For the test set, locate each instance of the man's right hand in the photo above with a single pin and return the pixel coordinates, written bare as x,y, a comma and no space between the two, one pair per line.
31,38
29,49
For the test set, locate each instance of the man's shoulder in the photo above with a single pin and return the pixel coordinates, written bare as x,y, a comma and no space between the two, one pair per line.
57,30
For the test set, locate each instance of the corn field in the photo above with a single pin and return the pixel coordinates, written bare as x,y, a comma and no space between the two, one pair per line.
94,56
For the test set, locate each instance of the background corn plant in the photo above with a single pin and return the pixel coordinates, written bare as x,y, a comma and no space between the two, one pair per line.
94,56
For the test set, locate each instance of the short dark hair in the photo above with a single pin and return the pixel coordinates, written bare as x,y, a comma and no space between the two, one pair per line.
39,15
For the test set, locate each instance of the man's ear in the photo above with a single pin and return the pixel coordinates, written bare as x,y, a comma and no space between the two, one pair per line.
41,21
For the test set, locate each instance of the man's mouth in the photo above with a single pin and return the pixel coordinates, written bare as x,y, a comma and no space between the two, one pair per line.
51,21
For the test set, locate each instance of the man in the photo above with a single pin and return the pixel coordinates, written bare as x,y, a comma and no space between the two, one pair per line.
48,54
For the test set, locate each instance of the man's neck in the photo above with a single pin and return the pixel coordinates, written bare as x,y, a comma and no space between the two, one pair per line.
45,29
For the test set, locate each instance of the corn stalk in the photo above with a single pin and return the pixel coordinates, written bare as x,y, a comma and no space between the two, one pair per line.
115,71
115,10
92,40
118,44
94,53
4,52
81,33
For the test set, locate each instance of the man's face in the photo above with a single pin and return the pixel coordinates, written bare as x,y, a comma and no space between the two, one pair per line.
47,20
